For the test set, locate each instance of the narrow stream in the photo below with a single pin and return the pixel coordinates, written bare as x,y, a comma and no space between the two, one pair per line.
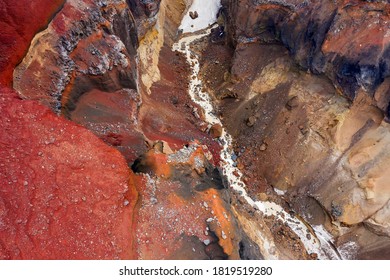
320,245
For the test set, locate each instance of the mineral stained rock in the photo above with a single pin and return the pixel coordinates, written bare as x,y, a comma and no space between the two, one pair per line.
62,186
64,194
184,210
328,152
347,40
20,21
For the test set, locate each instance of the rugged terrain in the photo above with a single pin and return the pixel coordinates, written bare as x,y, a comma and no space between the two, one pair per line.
107,151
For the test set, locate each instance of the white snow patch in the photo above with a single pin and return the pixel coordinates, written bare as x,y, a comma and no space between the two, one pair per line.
207,14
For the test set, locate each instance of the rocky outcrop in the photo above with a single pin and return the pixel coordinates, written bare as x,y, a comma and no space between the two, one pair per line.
151,186
83,66
347,40
87,70
69,58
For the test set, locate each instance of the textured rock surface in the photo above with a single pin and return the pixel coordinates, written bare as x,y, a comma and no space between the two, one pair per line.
64,194
71,57
347,40
83,67
184,210
20,21
87,71
293,129
85,63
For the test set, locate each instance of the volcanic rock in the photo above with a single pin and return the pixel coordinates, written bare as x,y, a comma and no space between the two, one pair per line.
182,214
310,79
20,21
345,40
64,193
251,121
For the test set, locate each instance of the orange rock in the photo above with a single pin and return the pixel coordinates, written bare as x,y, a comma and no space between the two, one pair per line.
178,221
223,222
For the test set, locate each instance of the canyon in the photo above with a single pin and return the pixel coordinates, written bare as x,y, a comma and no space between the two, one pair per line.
195,129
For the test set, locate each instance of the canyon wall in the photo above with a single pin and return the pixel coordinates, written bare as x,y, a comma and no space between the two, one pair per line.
307,94
98,158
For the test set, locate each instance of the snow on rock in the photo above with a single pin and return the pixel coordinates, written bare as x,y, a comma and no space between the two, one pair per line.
207,14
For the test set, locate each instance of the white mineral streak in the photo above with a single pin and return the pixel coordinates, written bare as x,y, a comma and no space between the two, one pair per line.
206,9
279,192
202,98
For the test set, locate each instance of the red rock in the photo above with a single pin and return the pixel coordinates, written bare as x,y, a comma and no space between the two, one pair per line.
19,22
174,123
86,46
112,116
85,70
64,194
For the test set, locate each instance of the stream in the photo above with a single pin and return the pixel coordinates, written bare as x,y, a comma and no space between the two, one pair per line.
319,243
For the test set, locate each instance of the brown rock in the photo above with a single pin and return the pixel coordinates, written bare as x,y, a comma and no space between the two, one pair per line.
262,196
194,15
227,93
314,256
292,103
216,131
263,147
330,45
251,121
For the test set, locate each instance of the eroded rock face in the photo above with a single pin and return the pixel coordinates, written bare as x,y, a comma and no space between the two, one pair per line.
348,41
83,67
70,57
326,155
64,194
85,64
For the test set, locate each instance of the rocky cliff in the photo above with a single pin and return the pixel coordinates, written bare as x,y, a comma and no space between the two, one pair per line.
328,154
